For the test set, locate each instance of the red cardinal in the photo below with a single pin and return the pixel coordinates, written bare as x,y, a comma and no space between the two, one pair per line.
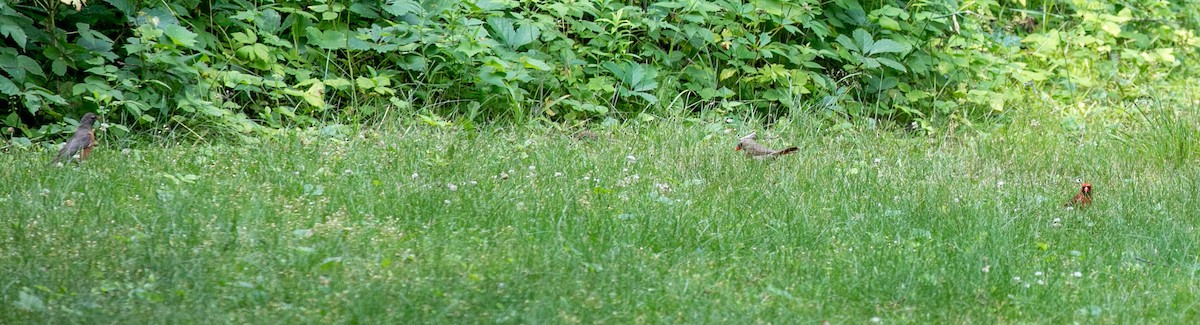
1083,199
758,151
81,142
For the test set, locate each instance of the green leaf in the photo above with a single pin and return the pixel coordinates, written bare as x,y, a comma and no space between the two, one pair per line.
847,43
634,75
1111,28
7,87
508,36
338,83
11,29
58,67
637,77
891,64
126,7
536,64
492,5
329,40
402,7
12,119
889,23
21,142
29,65
412,62
247,37
180,35
29,302
365,83
886,46
863,39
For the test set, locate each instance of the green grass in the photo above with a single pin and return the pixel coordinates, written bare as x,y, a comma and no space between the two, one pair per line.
644,225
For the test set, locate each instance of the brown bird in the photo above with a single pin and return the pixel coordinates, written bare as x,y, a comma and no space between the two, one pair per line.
1083,199
758,151
81,143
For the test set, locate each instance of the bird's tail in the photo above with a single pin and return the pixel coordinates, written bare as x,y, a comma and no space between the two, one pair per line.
787,151
61,156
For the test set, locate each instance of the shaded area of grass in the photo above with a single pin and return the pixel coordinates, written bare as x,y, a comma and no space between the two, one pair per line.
657,224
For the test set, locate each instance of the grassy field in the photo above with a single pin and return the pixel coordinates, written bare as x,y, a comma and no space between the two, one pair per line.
653,224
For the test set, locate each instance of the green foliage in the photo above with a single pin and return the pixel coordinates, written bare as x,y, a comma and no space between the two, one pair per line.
236,67
662,223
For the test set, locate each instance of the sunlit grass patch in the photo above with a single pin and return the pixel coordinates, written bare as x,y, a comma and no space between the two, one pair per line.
655,224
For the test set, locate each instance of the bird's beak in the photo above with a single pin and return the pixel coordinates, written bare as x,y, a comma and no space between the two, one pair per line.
739,148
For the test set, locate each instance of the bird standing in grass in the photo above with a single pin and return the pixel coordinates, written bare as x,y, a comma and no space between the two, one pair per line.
758,151
81,143
1083,199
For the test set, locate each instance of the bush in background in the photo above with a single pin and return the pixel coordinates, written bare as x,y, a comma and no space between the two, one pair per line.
244,67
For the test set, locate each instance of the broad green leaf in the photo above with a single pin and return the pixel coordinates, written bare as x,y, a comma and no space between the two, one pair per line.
365,83
508,36
262,52
869,63
636,76
847,43
244,15
126,7
10,28
412,62
21,142
889,23
58,67
863,39
886,46
338,83
269,22
180,35
329,40
1111,28
536,64
7,87
892,64
29,65
402,7
315,95
247,37
492,5
94,41
28,302
12,119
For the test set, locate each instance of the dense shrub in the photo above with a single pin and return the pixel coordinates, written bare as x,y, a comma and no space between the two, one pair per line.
242,66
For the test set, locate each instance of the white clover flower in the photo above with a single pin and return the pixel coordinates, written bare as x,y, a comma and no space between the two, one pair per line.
663,187
452,187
